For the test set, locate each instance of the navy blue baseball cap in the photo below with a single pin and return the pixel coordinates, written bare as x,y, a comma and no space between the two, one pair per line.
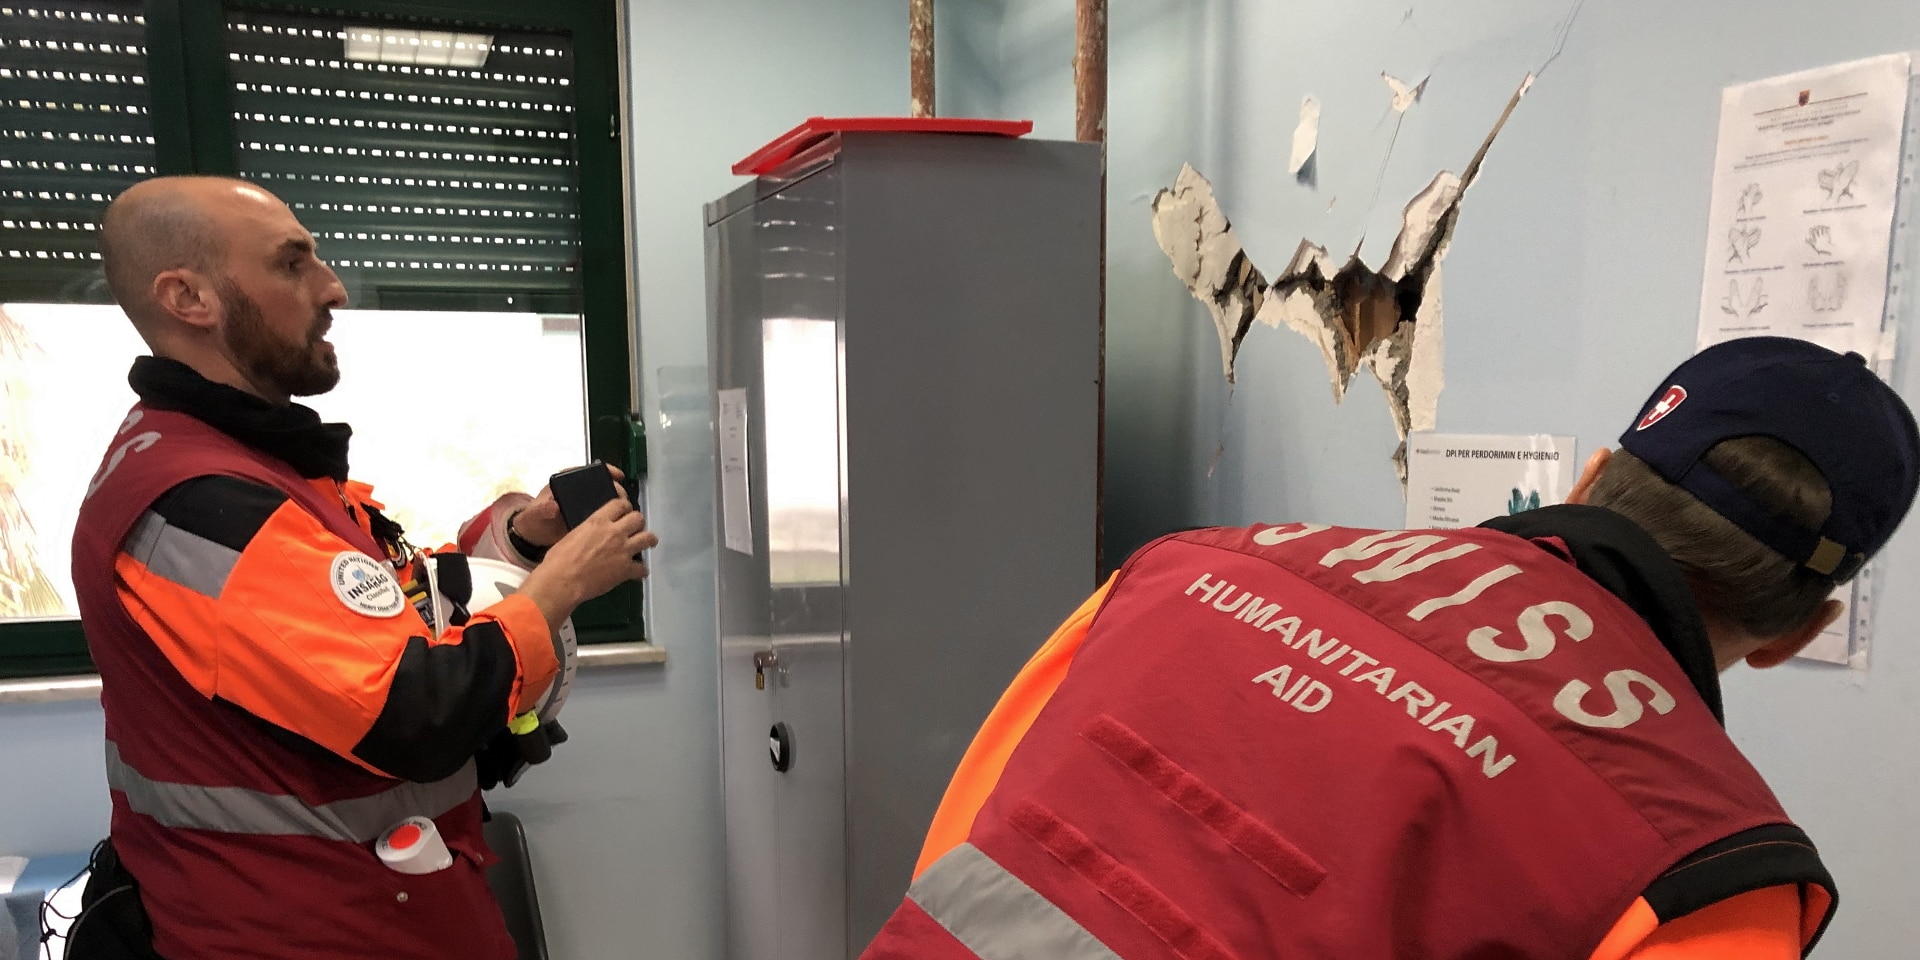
1829,406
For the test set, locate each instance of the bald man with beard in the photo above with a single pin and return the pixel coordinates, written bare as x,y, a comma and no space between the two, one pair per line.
169,249
276,700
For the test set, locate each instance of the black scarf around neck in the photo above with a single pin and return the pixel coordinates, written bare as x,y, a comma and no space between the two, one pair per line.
293,433
1615,553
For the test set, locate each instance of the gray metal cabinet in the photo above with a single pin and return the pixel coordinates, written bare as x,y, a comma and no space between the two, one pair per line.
904,353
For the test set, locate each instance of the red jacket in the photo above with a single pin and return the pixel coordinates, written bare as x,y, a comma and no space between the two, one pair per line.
273,703
1299,741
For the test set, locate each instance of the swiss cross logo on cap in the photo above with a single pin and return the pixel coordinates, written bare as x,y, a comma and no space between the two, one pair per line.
1669,401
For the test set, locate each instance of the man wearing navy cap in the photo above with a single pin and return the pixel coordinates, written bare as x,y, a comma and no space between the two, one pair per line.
1298,740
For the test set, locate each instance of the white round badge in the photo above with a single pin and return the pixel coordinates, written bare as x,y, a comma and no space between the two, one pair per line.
366,586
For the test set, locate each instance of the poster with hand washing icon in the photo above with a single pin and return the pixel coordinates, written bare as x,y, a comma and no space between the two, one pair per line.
1804,185
1459,480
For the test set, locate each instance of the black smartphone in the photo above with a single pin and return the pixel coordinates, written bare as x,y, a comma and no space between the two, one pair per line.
582,490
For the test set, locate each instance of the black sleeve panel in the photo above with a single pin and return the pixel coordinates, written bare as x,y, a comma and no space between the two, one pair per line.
225,510
1770,856
443,704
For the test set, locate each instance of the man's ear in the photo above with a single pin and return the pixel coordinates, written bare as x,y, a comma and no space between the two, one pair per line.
1789,646
1596,464
186,296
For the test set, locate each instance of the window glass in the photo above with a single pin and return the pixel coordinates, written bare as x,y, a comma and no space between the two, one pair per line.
449,410
438,166
75,130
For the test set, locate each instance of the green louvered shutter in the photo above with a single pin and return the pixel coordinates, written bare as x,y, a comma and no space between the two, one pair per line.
74,131
429,186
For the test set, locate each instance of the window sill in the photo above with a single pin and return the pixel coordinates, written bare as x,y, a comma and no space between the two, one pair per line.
50,689
87,686
621,654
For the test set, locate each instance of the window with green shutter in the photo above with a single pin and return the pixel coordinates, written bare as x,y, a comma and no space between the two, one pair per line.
74,132
430,183
458,165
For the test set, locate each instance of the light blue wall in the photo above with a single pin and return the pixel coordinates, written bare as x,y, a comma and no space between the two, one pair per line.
53,780
1571,287
624,822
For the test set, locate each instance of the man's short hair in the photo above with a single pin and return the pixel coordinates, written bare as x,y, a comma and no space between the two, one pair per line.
146,236
1735,577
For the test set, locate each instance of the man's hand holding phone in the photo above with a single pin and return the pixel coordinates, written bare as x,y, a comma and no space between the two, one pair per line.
602,538
541,522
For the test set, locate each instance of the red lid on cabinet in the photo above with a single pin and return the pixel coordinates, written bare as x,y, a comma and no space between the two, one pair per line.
816,129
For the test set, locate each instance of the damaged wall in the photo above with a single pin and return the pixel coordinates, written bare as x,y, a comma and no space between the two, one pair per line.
1387,321
1570,284
1190,85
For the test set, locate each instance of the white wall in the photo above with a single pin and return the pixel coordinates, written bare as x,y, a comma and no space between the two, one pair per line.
624,822
1571,287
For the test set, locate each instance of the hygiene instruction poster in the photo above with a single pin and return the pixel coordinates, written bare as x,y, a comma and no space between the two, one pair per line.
1462,479
1805,186
1804,183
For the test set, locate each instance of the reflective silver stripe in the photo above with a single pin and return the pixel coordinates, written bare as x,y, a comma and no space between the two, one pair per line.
145,532
187,559
239,810
996,915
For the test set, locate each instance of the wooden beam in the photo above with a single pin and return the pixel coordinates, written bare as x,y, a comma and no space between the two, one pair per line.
1090,70
920,56
1090,124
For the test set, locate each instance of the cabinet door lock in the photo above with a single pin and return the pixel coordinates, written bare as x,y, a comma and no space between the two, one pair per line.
780,747
763,661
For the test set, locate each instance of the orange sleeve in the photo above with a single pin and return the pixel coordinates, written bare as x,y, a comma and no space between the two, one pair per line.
1012,716
283,636
1762,924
